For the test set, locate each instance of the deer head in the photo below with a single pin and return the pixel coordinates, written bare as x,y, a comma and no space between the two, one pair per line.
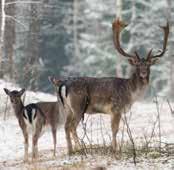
142,64
15,96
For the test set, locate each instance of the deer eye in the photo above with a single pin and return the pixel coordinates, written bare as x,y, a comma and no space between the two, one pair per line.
138,63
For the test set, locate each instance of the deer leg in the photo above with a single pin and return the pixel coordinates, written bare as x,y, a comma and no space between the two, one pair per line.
26,149
115,120
78,111
34,147
25,134
74,133
76,139
67,133
54,140
36,135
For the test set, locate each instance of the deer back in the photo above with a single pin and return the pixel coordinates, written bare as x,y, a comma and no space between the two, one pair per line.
53,112
100,94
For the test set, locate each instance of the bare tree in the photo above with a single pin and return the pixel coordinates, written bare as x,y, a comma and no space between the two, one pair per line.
2,27
75,29
170,51
32,51
9,39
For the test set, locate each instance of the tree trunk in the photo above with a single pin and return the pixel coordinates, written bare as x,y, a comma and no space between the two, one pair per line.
75,29
32,52
9,38
170,47
2,29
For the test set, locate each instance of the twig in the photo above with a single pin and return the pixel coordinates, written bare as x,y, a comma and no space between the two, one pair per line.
152,133
5,111
17,21
101,130
122,136
159,122
84,129
23,2
130,137
171,109
84,135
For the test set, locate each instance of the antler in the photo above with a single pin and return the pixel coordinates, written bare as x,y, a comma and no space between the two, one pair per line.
117,27
166,34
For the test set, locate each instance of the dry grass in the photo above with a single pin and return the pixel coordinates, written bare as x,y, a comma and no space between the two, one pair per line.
75,166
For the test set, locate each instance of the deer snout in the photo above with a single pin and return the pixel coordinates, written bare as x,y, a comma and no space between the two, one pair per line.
14,101
143,74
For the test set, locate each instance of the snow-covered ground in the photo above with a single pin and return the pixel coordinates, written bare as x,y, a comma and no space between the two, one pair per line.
141,122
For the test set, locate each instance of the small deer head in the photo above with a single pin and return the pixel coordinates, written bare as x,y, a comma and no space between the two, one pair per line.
142,65
15,96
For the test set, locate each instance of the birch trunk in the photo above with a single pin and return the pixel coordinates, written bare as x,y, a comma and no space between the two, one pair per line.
2,27
9,39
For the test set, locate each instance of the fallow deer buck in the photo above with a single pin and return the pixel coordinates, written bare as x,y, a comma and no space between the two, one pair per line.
34,118
107,95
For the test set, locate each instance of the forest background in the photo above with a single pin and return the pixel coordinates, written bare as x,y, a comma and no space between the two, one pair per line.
39,38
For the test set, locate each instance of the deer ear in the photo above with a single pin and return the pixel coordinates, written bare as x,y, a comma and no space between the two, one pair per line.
21,92
153,61
7,91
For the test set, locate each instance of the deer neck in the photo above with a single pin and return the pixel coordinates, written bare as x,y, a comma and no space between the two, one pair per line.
137,82
18,109
138,86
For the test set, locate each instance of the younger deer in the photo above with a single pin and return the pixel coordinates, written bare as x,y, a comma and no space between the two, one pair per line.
34,117
109,95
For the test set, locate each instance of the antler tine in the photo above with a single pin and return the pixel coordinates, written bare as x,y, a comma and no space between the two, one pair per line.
117,27
166,34
149,54
136,54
